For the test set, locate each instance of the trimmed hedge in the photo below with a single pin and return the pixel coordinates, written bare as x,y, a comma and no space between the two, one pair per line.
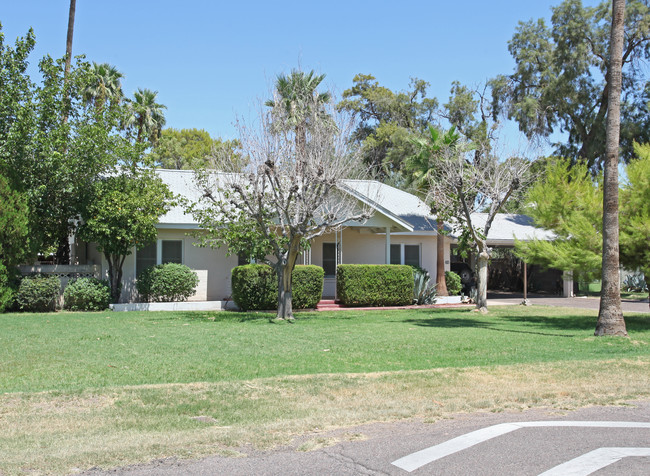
38,293
307,286
255,287
454,284
169,282
87,294
374,284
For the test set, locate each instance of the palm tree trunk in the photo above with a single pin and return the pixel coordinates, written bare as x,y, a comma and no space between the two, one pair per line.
610,316
441,283
68,44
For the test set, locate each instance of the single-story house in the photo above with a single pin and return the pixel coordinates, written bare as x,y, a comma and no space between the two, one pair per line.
400,231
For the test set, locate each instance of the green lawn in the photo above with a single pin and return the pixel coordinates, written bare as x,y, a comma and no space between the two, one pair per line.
74,351
79,390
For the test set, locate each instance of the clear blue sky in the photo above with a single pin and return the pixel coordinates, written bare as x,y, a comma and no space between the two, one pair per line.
210,61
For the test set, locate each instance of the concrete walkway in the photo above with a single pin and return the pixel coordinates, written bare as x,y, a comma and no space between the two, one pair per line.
497,298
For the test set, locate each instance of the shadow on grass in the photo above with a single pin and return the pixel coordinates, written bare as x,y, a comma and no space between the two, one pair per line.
567,323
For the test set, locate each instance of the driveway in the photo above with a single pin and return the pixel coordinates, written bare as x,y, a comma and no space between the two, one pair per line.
499,298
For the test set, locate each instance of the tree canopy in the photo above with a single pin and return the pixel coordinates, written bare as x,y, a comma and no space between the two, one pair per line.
188,149
387,120
560,80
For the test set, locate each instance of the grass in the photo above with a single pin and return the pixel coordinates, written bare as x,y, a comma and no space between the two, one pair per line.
106,389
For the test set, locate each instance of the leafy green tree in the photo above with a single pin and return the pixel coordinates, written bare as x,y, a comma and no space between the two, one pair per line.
14,225
104,86
560,82
145,116
568,201
387,121
123,214
189,149
635,212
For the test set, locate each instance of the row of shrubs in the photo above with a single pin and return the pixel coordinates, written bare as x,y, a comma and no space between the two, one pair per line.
255,286
40,293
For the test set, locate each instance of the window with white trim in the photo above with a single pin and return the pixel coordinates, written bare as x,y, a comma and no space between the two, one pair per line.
401,253
160,252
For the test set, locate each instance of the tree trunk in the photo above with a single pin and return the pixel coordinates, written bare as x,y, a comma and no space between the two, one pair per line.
115,276
441,284
285,272
482,277
68,43
610,316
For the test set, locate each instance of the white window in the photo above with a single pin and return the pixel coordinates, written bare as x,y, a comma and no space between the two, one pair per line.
162,251
405,254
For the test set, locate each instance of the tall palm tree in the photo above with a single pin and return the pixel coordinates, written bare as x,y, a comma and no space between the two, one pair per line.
105,85
68,44
610,316
146,115
422,169
297,95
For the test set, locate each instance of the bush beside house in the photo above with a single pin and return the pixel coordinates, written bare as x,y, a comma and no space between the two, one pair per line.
87,294
255,287
38,293
454,284
374,284
169,282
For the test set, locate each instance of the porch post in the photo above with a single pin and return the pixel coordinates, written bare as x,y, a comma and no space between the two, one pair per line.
567,284
387,245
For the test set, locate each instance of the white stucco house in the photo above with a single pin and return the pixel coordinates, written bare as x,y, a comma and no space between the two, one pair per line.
400,231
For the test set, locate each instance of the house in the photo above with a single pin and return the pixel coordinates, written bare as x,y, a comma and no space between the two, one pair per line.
400,231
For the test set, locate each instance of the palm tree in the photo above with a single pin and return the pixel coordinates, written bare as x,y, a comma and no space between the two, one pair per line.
68,44
422,168
296,94
610,316
105,85
146,115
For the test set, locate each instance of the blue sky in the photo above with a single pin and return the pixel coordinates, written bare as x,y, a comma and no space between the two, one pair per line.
211,61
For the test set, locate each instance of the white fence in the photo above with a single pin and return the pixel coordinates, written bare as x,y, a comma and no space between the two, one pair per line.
65,273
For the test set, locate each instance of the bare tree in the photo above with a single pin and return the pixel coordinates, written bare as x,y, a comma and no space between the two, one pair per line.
290,193
464,185
610,316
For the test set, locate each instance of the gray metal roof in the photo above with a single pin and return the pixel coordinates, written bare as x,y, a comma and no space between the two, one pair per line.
401,207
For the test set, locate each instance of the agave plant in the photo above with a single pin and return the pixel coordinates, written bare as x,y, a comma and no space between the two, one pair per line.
423,291
635,282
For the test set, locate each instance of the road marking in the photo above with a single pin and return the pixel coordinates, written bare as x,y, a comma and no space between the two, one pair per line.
420,458
594,460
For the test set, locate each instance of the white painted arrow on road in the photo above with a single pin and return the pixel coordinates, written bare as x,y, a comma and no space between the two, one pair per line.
417,460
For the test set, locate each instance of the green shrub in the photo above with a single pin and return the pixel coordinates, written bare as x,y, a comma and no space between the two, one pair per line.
87,294
6,293
374,284
167,282
255,287
307,286
38,293
453,282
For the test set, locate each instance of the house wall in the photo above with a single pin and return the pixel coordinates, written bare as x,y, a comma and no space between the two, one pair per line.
212,266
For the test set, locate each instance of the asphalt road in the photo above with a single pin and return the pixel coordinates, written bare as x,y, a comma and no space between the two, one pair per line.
615,440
